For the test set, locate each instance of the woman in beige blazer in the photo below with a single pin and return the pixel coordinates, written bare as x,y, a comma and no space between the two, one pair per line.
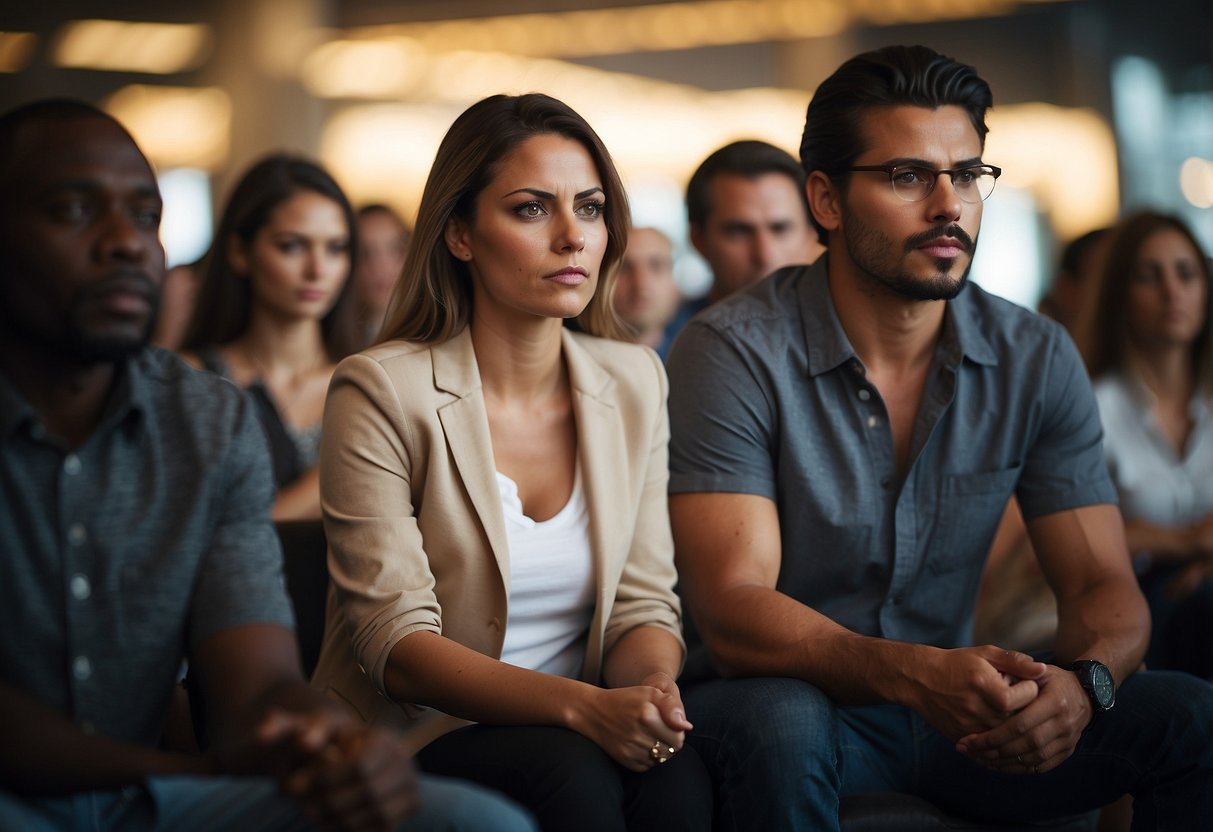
494,487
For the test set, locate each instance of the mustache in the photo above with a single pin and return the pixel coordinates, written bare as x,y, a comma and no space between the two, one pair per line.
126,280
950,230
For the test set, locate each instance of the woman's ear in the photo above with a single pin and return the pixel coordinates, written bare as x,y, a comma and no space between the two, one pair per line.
457,235
237,255
825,200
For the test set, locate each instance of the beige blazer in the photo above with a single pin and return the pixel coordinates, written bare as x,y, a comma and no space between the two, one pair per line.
414,522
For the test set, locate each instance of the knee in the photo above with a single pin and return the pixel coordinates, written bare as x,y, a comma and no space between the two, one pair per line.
779,724
578,772
1179,705
454,806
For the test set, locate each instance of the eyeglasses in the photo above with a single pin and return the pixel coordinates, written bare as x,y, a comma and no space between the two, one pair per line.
914,183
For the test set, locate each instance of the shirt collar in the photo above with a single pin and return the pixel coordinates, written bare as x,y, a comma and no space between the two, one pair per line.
129,396
827,344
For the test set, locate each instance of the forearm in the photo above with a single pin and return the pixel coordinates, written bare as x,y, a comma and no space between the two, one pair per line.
1109,622
43,753
757,631
425,668
300,500
639,653
1163,543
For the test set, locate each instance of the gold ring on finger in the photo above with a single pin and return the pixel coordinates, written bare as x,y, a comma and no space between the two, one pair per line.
659,753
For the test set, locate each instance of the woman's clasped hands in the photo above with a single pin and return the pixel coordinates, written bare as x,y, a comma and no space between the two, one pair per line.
640,726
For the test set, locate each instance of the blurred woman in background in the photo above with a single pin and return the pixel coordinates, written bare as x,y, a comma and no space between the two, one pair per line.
1151,356
268,310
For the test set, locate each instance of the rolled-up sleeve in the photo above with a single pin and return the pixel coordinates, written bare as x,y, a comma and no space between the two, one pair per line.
646,596
377,559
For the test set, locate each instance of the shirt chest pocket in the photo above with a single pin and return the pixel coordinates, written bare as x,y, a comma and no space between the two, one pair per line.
968,509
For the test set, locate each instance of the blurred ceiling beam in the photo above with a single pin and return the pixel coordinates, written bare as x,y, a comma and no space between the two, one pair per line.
671,26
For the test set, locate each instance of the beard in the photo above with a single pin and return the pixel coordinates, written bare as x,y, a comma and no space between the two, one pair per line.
109,339
873,252
82,333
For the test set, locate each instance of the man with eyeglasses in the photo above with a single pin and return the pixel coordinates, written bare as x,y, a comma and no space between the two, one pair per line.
845,437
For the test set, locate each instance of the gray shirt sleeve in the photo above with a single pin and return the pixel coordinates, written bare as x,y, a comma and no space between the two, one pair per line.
1065,467
240,578
722,421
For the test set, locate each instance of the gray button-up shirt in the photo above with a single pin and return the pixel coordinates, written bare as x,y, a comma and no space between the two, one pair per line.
121,555
768,397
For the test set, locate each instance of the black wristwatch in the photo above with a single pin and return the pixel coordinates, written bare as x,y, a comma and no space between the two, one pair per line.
1097,681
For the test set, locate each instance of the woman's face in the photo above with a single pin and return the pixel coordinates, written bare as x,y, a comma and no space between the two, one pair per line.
300,259
1167,292
536,244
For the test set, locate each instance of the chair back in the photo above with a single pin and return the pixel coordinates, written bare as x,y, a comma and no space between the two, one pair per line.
305,564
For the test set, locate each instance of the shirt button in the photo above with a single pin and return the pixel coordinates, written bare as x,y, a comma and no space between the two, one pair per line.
77,534
864,395
886,482
80,587
71,465
82,668
873,421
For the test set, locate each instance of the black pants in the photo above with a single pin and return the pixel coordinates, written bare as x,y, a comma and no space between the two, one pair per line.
569,783
1182,638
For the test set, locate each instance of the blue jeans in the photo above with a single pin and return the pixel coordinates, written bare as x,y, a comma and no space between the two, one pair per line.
782,754
206,804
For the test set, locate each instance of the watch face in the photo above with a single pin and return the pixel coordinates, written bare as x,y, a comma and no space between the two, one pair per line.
1102,686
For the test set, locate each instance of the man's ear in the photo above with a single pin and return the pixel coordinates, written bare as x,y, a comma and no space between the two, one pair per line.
825,200
456,234
237,255
697,239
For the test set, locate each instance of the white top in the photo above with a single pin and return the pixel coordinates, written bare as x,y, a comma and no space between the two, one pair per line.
1155,484
551,591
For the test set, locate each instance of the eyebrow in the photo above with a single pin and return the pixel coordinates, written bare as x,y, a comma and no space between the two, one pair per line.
923,163
142,191
546,195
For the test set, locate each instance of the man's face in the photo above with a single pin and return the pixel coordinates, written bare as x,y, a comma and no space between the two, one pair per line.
80,261
755,226
917,250
646,295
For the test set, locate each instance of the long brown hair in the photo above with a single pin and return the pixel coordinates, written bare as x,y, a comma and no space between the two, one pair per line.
432,301
223,306
1107,349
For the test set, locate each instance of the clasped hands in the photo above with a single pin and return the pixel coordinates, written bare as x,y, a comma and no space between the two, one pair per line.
1004,710
345,775
640,726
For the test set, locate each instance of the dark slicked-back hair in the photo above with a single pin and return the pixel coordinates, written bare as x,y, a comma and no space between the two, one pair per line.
432,301
1110,345
749,159
224,303
890,77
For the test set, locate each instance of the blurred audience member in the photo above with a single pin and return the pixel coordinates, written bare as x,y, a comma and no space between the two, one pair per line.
383,242
1076,279
268,310
1152,361
176,304
646,295
749,216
